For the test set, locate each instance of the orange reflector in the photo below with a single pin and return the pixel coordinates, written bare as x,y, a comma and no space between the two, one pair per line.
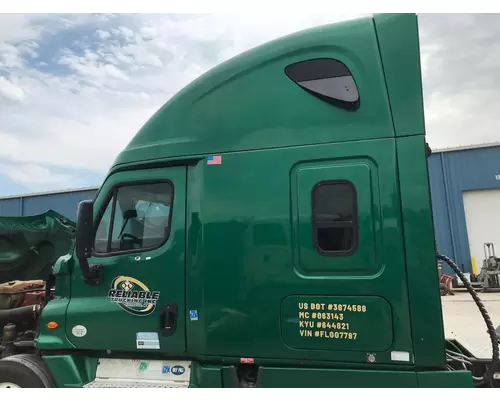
52,325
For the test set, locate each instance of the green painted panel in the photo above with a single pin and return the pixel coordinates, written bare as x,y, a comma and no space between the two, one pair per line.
335,378
399,48
242,250
359,323
445,379
71,371
51,339
205,376
248,102
55,310
109,327
362,174
421,263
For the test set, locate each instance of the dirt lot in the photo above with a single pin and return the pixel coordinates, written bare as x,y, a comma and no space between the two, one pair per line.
463,321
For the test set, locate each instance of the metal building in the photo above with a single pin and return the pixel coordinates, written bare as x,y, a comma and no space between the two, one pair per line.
64,202
465,190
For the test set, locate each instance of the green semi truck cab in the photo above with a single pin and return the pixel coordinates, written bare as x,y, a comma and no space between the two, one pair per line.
269,226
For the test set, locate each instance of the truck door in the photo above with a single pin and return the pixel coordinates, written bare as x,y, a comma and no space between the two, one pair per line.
139,219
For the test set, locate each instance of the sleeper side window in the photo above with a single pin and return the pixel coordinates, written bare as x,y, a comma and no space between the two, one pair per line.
334,214
328,79
137,217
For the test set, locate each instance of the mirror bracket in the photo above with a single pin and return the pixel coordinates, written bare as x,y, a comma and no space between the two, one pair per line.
93,274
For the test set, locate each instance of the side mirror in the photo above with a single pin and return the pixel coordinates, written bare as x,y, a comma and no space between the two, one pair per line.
84,221
84,242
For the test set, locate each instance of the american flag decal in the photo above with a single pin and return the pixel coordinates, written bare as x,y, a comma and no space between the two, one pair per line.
214,160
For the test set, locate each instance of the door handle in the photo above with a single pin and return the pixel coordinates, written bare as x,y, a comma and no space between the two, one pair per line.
168,318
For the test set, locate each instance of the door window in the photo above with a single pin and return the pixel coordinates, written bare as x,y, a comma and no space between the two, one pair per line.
334,217
139,217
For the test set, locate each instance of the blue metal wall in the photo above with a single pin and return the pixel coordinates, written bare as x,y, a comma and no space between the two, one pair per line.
65,203
451,173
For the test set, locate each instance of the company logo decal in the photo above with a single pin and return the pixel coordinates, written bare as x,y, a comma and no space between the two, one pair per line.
178,369
133,296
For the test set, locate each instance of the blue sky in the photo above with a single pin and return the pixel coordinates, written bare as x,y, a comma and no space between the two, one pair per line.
75,88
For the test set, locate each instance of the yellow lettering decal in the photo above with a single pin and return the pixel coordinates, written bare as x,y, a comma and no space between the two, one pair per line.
345,307
327,325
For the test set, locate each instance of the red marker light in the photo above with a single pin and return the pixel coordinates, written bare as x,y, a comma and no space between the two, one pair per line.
246,360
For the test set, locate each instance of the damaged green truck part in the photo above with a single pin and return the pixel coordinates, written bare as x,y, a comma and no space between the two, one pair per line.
30,245
269,226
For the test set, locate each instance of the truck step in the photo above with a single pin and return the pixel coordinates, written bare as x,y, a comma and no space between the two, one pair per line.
123,373
134,383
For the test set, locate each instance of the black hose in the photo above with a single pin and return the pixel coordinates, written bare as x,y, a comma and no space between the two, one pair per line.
25,315
25,343
482,309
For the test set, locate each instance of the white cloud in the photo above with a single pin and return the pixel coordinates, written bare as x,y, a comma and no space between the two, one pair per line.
10,91
126,32
88,144
92,67
148,32
446,117
103,34
32,175
18,27
10,56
